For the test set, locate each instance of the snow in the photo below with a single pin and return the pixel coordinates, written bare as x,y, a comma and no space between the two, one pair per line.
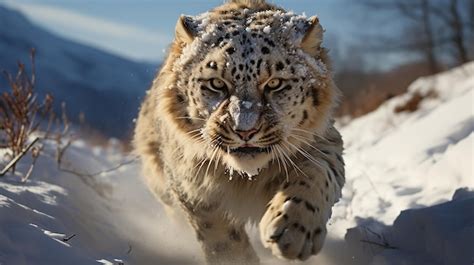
411,160
441,234
398,204
110,215
286,205
247,104
267,29
211,31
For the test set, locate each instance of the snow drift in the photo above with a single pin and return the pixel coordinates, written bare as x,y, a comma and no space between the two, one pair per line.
411,160
440,234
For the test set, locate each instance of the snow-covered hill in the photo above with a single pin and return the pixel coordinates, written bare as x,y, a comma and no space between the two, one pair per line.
397,164
106,87
411,160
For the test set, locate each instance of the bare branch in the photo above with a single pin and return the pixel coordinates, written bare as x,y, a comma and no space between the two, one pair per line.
98,173
35,153
17,158
66,239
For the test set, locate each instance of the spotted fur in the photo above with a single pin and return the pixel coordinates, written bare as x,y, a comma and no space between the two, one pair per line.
237,127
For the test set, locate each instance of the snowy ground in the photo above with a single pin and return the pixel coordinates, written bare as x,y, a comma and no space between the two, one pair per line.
394,162
410,160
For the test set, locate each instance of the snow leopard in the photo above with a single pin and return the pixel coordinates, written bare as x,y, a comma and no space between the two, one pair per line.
237,130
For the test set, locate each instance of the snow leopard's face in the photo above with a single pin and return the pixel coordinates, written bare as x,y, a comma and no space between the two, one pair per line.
248,88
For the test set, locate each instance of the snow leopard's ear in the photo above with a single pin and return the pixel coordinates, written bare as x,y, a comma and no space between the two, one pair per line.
313,37
186,29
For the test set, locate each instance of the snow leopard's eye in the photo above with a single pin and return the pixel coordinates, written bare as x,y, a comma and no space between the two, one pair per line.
274,84
217,85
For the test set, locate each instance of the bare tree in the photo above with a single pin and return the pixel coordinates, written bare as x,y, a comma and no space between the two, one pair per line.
430,45
452,18
416,34
429,28
471,15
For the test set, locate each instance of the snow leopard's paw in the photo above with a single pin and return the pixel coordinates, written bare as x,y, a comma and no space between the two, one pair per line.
292,227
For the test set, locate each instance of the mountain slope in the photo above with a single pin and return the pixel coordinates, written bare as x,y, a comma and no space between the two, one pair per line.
106,87
414,151
396,163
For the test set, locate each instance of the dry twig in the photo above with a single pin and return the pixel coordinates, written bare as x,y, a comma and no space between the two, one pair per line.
66,239
18,157
98,173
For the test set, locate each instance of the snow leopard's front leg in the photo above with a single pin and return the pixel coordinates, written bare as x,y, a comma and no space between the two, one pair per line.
294,224
222,241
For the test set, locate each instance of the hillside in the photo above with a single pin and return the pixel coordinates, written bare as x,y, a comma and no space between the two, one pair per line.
403,168
106,87
414,151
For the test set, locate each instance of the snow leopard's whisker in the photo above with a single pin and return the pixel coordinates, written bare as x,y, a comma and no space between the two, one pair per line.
302,139
277,155
201,163
215,144
283,161
280,164
195,130
199,139
272,152
292,162
315,134
195,134
296,133
214,152
219,156
307,155
308,142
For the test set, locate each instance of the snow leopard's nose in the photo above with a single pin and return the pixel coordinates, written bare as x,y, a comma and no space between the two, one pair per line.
246,135
245,116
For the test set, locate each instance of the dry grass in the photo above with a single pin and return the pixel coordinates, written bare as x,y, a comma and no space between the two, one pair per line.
413,103
365,92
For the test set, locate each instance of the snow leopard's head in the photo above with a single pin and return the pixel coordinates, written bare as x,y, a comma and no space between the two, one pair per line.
250,81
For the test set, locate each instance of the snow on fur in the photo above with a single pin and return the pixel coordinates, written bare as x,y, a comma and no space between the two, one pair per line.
291,27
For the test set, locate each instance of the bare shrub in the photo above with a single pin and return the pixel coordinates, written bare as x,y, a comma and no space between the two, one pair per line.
25,119
413,103
27,123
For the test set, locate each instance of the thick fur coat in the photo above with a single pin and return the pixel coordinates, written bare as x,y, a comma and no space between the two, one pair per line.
237,127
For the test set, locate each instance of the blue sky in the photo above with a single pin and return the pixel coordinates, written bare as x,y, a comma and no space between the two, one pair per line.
142,29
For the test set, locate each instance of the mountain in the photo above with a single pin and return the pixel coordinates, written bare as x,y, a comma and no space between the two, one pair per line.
105,87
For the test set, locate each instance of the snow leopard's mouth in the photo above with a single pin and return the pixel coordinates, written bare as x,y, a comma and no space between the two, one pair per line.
249,150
